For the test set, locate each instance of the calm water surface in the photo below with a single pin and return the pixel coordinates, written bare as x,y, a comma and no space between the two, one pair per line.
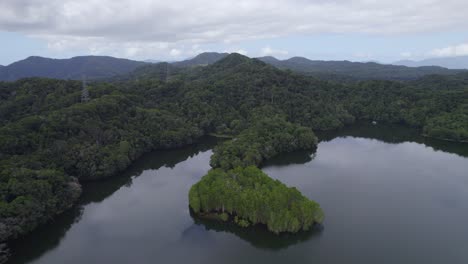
389,196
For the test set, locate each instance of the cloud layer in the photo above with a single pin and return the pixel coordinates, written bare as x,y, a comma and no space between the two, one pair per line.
179,27
451,51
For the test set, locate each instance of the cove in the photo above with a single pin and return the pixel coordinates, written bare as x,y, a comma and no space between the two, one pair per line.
389,196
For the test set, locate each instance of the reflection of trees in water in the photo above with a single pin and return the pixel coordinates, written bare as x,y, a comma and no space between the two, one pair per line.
258,235
395,134
99,190
4,253
48,236
45,237
296,157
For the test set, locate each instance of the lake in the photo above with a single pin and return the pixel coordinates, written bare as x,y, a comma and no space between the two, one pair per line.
389,196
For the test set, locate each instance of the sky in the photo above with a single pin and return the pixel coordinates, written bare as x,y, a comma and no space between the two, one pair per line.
356,30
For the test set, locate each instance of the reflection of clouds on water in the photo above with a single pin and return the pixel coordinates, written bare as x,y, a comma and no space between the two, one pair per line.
196,235
197,166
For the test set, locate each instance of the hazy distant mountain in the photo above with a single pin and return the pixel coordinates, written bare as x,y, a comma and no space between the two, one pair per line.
201,59
73,68
354,70
460,62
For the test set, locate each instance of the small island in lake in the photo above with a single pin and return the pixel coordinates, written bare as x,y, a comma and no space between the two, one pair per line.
248,196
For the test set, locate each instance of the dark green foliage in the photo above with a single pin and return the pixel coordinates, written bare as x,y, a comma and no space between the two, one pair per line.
266,138
52,136
253,197
449,126
30,197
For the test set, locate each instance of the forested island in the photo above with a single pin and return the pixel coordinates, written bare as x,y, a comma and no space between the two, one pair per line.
237,189
55,134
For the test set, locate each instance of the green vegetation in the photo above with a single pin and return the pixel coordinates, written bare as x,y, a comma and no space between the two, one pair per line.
49,138
266,138
253,197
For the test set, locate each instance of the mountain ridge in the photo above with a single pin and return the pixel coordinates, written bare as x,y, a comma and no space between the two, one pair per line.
459,62
74,68
356,70
102,67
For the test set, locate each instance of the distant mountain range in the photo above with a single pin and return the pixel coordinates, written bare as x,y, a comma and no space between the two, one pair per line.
355,70
94,67
460,62
75,68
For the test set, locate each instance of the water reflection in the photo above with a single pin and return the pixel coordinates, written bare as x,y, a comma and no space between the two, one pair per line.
258,236
297,157
394,134
99,190
49,236
387,195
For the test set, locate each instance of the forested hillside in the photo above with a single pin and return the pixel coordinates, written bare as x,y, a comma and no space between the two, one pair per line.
51,139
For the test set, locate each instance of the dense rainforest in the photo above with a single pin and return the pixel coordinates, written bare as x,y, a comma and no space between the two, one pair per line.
52,137
250,196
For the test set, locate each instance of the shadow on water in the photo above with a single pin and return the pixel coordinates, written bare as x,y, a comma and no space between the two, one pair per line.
394,134
99,190
296,157
48,236
258,235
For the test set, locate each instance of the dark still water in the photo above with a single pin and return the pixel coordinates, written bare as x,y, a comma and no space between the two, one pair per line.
389,196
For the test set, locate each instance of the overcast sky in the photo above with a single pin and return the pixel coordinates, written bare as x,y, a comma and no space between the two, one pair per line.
358,30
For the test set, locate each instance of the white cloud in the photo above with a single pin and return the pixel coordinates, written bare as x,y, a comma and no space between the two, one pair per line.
175,52
450,51
154,27
268,51
241,51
